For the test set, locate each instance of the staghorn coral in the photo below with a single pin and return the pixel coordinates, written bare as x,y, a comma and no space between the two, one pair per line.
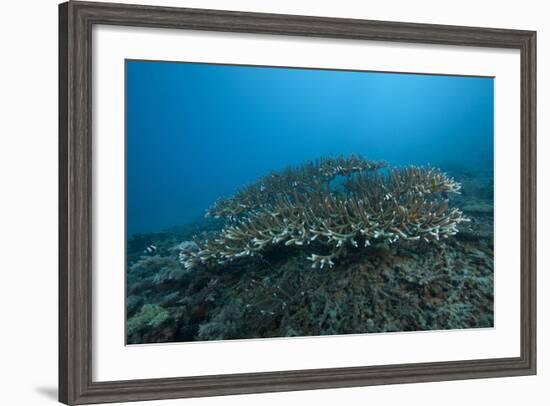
302,179
302,208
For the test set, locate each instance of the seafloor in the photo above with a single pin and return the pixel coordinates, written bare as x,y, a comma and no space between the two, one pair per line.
403,287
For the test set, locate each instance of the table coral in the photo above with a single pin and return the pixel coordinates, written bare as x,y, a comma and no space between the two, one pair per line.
329,208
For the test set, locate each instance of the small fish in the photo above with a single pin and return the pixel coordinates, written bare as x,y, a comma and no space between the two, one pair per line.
150,249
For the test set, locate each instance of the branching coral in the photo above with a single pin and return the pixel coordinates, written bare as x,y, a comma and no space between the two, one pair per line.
302,179
302,208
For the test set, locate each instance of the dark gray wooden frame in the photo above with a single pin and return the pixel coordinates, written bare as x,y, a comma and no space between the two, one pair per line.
76,20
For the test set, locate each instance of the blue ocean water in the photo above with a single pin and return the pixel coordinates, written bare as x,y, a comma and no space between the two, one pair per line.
197,132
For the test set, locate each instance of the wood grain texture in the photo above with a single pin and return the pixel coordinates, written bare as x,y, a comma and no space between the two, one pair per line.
76,20
63,111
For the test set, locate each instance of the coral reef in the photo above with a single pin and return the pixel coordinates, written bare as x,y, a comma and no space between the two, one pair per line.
301,207
406,285
391,287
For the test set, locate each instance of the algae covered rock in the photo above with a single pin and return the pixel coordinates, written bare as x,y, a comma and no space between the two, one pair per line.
149,318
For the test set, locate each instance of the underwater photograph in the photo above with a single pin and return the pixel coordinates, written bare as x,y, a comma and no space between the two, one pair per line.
268,202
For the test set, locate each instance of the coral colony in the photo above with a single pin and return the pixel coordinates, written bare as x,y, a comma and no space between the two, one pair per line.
336,246
330,209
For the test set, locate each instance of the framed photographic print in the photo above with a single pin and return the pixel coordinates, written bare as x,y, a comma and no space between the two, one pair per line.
258,202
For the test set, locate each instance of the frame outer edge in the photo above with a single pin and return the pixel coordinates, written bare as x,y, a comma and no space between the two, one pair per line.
533,186
64,367
529,210
75,204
